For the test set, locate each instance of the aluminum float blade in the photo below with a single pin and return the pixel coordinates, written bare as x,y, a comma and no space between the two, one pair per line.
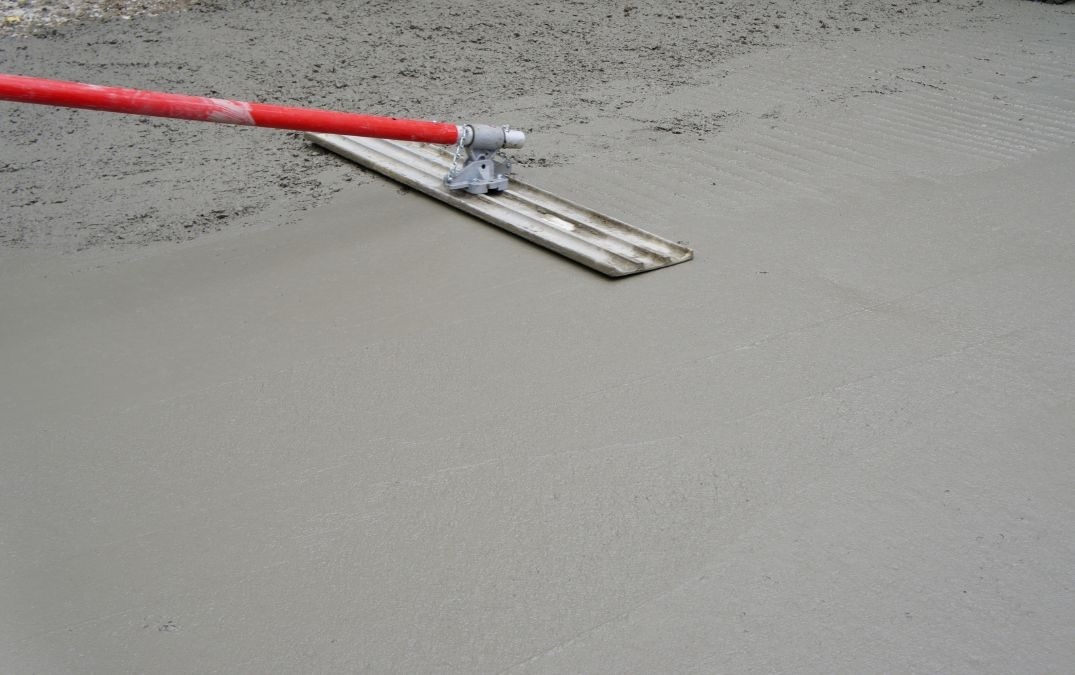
581,234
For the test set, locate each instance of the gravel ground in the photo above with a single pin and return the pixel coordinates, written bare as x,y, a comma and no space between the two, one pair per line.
76,180
22,17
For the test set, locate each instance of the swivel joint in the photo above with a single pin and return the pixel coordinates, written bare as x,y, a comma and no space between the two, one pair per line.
476,166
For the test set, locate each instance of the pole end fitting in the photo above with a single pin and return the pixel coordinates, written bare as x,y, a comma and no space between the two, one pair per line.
514,138
486,137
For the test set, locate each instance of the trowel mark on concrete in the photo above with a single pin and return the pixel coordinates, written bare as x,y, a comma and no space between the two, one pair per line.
849,124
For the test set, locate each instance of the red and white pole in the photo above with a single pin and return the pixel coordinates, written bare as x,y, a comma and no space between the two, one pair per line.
205,109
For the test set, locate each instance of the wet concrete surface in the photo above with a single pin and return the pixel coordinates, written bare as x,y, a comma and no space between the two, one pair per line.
377,435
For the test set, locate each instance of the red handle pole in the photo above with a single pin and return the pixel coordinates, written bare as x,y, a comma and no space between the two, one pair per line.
204,109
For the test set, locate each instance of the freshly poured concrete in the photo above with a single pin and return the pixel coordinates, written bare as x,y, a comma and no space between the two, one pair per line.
387,437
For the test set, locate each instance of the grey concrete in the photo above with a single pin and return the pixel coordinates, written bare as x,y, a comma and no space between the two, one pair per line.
386,437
